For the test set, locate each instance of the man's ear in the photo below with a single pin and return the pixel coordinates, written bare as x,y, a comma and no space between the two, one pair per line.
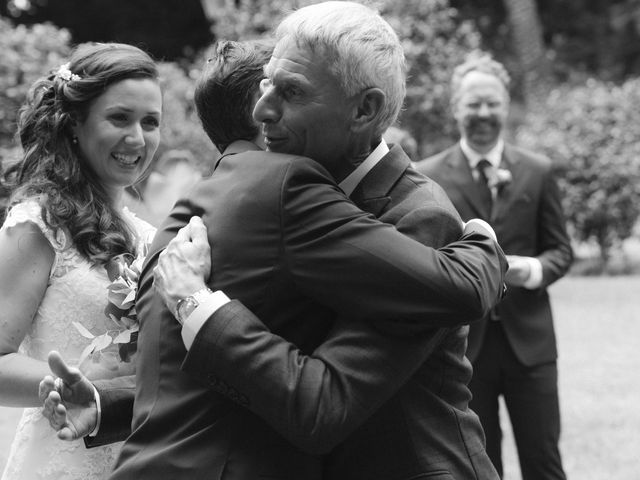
368,109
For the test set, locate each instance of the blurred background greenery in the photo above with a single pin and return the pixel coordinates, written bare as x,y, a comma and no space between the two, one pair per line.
575,89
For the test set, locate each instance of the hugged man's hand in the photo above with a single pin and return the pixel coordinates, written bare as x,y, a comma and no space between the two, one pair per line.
69,400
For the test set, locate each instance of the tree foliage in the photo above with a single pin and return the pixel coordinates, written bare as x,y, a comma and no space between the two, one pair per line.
181,128
434,42
599,37
26,53
169,30
591,129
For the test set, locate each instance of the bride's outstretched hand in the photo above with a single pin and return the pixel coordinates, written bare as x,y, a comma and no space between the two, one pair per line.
68,400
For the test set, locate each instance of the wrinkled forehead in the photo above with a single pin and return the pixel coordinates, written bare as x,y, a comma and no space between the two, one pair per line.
293,57
311,48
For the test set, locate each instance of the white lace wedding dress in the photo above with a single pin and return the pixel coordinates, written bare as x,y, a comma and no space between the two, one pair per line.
76,292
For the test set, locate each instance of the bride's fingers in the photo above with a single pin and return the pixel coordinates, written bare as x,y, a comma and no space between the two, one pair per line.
59,419
46,386
48,411
54,411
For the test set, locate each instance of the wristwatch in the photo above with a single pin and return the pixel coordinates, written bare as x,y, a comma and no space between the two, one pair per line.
187,305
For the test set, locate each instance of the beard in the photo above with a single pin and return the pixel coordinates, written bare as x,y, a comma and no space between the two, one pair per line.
482,131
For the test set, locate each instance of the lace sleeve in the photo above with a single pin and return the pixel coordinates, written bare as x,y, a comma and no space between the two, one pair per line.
30,211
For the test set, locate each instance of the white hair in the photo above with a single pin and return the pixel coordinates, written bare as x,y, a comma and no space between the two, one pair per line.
361,49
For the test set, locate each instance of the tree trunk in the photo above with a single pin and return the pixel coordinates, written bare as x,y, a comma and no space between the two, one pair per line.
526,32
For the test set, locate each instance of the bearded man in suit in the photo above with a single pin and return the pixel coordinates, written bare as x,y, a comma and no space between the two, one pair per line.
513,350
289,246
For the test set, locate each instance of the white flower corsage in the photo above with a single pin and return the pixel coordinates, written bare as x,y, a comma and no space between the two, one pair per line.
500,179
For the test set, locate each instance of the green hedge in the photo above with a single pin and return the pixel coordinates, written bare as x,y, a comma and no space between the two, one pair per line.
592,130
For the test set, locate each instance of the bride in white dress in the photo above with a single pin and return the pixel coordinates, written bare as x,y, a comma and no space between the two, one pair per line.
88,130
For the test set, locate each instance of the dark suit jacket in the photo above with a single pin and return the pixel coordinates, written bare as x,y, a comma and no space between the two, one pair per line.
528,220
316,401
288,244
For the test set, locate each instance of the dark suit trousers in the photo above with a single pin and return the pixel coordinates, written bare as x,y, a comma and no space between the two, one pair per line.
531,397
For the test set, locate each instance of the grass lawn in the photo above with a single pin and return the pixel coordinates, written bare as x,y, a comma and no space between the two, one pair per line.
597,323
598,327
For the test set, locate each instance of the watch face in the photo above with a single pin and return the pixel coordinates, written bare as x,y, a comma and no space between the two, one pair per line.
185,307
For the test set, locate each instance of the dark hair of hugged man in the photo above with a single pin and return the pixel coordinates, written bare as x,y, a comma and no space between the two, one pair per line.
226,92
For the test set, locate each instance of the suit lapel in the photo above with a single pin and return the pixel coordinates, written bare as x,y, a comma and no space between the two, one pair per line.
510,161
372,194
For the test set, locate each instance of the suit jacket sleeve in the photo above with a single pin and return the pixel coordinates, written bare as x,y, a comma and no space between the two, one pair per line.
554,245
117,394
339,256
315,401
116,401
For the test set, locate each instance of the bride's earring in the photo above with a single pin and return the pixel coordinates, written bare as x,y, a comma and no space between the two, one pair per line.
74,140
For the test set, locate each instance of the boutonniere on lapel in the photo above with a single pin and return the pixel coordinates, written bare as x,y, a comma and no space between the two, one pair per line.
498,179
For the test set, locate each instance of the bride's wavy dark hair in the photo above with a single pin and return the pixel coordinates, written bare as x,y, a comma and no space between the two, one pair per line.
51,169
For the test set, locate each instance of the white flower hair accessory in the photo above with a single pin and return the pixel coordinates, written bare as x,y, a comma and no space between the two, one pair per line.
65,74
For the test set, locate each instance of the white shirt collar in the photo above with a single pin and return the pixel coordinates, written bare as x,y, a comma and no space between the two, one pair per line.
349,184
494,156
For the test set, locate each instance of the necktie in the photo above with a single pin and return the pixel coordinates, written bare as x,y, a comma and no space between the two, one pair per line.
484,167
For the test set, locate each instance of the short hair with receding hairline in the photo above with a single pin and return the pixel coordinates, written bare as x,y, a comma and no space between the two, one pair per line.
478,62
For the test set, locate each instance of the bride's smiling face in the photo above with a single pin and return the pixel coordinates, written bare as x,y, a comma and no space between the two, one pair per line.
121,132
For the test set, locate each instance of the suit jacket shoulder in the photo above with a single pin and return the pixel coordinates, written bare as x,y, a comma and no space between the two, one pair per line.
534,161
437,158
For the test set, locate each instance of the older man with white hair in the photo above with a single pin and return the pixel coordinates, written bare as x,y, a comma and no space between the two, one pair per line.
334,84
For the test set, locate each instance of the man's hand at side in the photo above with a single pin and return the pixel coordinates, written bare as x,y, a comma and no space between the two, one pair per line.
524,272
184,266
69,400
477,225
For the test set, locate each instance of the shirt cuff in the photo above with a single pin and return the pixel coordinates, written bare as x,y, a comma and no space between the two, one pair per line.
207,307
96,396
484,225
535,274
